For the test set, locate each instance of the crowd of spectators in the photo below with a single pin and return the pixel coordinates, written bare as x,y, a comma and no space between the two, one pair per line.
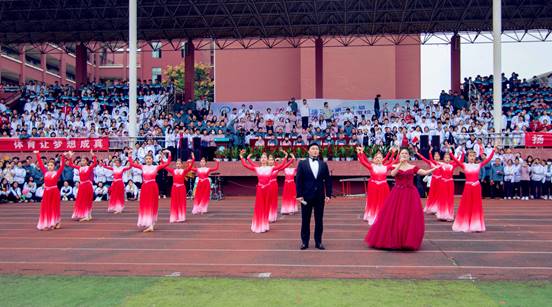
101,109
457,120
94,110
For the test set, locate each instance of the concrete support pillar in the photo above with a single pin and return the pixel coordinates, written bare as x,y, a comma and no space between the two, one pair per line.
81,65
22,77
63,68
125,64
455,72
97,67
319,67
189,73
497,65
132,86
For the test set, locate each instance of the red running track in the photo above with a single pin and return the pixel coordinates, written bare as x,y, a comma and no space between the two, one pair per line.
517,245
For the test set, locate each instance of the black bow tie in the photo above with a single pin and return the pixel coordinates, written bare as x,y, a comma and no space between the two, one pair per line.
314,158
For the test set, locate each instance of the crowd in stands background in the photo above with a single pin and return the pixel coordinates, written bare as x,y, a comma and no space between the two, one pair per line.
101,109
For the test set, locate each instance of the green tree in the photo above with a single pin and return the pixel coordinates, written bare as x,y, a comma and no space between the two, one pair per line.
203,84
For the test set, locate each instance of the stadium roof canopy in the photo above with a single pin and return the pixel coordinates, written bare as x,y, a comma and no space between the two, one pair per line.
58,21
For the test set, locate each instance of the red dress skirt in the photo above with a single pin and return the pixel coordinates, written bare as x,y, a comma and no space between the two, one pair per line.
202,196
434,190
289,197
116,196
149,204
470,217
377,193
400,223
83,203
178,203
273,200
260,212
445,200
50,212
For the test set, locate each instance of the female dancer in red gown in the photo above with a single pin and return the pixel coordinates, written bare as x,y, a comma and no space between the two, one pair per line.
273,188
470,216
178,191
400,223
264,172
435,185
289,195
50,212
117,189
149,192
445,197
85,196
378,189
203,186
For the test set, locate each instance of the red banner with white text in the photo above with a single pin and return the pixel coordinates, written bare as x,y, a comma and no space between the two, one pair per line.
54,144
538,139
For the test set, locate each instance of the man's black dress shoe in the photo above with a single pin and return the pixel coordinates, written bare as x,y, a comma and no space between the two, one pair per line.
321,246
303,246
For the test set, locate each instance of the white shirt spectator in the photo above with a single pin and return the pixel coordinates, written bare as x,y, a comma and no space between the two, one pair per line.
75,191
538,172
509,173
136,175
100,191
76,177
133,189
66,192
19,174
304,109
31,187
99,175
39,191
517,172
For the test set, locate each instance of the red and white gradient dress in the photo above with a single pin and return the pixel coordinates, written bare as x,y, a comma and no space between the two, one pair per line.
378,189
50,211
203,188
149,192
117,189
178,193
85,195
273,189
445,196
434,186
260,222
470,217
289,195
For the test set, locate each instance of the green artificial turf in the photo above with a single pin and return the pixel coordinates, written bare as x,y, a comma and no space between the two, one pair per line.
167,291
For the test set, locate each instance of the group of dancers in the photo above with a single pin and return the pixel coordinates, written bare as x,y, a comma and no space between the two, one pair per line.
397,217
266,196
50,213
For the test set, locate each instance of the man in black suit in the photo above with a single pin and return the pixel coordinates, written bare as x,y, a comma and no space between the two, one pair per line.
314,188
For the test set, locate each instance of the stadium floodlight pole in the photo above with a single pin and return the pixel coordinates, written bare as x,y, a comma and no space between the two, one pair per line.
497,65
132,74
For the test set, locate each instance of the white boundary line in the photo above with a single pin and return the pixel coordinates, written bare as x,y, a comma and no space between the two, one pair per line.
352,266
245,229
147,237
366,251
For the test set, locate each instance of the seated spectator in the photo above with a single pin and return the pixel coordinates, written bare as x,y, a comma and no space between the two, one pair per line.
131,191
100,192
15,195
29,189
39,193
66,192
